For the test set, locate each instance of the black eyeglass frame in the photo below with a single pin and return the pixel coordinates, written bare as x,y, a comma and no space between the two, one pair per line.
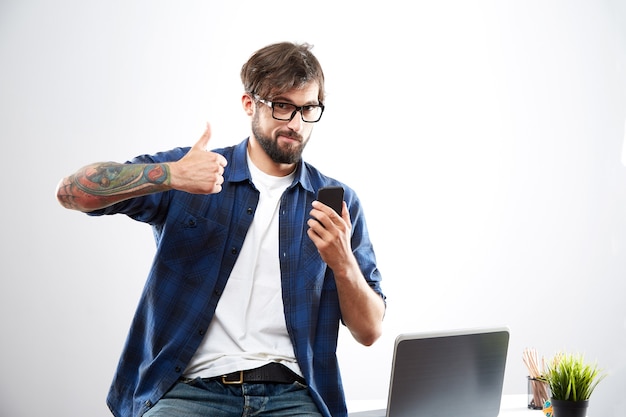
298,109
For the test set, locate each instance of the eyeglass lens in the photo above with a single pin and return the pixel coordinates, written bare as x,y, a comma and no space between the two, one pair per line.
286,111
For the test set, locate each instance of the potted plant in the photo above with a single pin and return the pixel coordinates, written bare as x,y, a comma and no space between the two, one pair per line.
571,381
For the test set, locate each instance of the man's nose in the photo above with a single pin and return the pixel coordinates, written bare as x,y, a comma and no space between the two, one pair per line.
296,121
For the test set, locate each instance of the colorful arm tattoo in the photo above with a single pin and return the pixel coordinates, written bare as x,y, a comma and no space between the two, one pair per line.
109,179
100,185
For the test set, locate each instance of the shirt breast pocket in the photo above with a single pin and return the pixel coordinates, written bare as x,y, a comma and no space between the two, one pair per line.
192,245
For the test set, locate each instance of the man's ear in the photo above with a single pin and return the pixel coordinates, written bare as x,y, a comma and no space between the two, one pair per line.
248,104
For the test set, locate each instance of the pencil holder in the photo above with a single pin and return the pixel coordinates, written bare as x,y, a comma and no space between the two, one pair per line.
538,393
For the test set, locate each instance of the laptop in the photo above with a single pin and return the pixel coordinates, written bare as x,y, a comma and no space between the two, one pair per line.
455,373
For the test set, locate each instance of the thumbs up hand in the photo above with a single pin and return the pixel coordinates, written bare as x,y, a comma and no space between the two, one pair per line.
199,171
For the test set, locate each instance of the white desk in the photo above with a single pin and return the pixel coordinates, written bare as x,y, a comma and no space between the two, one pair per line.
511,406
517,405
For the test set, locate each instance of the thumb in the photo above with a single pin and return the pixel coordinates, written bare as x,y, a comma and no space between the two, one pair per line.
202,143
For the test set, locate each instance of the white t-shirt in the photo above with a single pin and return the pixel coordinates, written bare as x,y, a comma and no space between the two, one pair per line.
249,329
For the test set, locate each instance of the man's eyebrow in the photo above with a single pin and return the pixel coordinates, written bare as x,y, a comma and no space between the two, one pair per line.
282,99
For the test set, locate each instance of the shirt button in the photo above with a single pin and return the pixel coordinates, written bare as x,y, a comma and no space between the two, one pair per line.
177,369
233,251
250,211
201,332
148,403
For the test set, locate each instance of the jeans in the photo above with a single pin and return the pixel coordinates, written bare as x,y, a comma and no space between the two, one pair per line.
211,398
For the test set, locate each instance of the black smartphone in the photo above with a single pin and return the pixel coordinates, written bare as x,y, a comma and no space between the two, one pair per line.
332,197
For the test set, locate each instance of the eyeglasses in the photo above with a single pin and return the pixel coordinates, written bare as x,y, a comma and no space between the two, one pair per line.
309,113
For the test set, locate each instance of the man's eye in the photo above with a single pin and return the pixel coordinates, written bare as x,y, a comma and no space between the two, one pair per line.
283,106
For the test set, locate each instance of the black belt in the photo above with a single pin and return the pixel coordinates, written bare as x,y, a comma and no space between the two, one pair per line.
272,373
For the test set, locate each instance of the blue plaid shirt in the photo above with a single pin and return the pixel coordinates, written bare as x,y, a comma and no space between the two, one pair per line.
198,239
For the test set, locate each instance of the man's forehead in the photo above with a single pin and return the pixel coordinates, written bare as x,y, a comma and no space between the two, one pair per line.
309,91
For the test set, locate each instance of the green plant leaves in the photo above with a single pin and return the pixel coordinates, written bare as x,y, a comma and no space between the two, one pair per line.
571,378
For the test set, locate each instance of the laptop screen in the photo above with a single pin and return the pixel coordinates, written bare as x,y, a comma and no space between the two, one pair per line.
456,373
447,374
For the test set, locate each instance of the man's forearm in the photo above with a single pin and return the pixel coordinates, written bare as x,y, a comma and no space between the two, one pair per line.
103,184
361,307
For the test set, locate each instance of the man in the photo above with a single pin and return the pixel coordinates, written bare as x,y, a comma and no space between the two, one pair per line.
252,276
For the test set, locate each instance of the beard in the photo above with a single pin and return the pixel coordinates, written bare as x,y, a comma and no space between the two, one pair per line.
281,155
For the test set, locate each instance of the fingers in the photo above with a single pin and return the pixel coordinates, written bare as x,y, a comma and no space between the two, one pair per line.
332,214
203,142
329,232
323,215
324,219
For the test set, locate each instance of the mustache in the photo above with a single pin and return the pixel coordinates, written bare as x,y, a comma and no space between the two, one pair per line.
290,135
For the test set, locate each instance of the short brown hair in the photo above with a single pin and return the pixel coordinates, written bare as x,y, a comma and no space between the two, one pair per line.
280,67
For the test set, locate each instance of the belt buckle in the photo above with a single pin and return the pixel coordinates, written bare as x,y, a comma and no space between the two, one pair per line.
239,381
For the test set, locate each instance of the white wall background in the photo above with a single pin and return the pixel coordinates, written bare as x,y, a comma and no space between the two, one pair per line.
484,137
